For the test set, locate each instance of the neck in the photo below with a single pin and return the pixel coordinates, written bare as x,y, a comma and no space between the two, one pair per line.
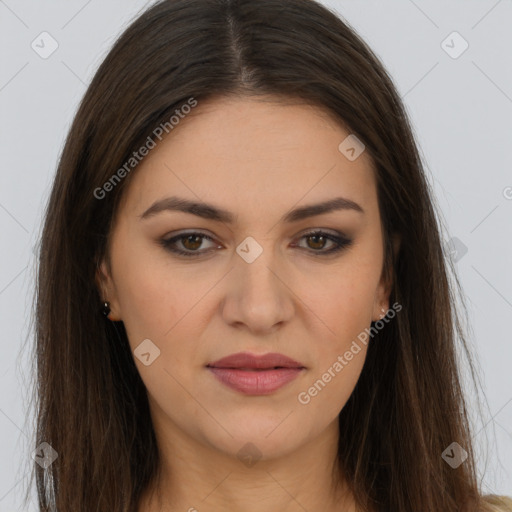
198,477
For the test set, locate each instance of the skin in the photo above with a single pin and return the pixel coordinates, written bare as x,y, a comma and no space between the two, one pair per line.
257,159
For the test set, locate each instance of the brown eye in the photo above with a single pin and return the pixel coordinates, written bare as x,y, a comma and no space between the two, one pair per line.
191,242
316,242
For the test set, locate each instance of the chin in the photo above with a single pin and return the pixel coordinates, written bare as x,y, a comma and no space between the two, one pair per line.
257,440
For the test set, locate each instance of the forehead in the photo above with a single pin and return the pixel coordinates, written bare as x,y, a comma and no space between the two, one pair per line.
244,152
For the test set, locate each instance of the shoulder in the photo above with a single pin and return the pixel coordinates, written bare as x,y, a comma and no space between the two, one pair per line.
494,503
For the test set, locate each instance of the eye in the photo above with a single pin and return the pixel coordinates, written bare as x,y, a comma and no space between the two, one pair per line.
317,240
191,241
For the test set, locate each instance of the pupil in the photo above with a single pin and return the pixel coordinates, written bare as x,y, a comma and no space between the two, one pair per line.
190,238
317,237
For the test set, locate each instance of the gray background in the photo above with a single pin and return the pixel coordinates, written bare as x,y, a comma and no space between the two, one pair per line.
461,110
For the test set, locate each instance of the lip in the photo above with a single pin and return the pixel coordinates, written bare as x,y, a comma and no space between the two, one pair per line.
242,360
254,374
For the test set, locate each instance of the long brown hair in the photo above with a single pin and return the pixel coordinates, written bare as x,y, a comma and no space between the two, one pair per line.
408,405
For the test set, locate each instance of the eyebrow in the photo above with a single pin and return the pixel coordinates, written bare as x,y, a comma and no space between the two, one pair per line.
211,212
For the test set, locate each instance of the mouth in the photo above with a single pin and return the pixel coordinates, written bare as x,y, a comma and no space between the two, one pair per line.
252,374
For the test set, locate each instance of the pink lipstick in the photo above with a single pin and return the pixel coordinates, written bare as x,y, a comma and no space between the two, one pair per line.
253,374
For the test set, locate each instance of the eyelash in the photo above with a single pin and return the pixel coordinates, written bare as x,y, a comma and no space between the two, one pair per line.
340,241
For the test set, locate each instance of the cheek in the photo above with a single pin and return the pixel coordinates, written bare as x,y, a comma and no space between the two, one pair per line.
343,306
341,349
169,306
342,301
148,305
329,389
151,297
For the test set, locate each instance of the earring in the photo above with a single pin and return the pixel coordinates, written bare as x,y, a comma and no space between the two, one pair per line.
106,308
383,314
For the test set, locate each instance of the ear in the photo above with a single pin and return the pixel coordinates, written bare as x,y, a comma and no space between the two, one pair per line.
381,303
107,290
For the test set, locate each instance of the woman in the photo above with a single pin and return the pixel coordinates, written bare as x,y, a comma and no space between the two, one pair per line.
243,300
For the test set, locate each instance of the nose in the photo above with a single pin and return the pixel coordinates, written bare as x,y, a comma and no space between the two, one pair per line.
259,296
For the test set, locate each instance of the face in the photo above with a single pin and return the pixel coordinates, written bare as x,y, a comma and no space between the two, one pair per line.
257,280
